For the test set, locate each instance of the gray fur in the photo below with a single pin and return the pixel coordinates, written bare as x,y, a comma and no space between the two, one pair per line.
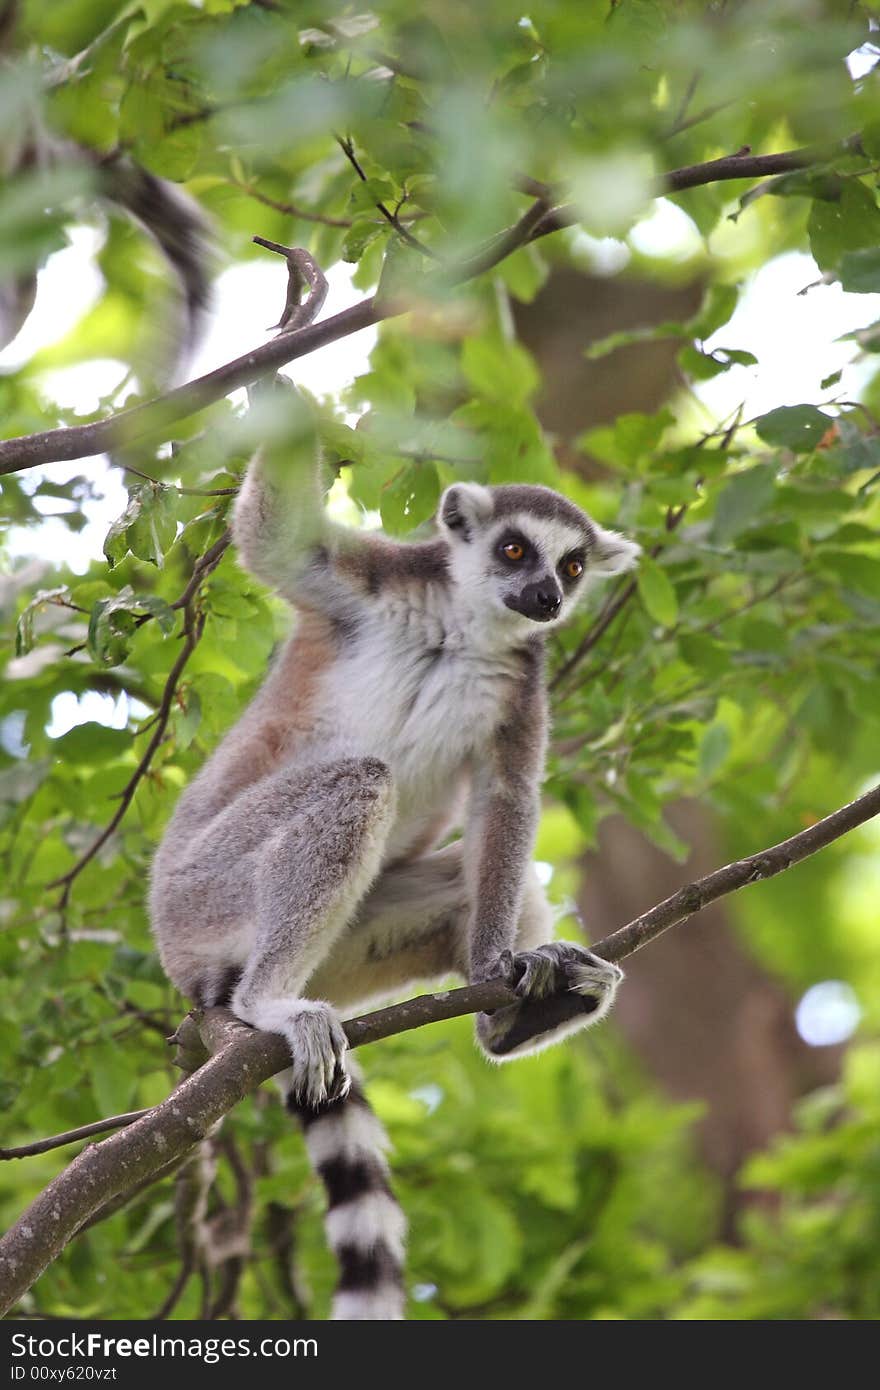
300,873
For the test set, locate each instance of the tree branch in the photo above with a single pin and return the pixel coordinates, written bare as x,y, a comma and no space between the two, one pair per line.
347,147
241,1059
70,1136
154,418
193,627
742,165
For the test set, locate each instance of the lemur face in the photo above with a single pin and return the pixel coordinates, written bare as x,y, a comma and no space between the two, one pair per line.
526,552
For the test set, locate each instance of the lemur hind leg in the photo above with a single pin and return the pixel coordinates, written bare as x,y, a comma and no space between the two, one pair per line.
563,987
331,825
411,928
407,931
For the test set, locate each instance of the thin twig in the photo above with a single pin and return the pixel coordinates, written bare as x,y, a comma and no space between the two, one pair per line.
347,147
290,209
193,627
184,491
612,606
57,1141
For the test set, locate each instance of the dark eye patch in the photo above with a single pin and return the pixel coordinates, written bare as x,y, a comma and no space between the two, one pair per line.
513,548
572,566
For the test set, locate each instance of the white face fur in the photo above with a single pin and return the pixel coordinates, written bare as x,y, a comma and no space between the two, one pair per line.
523,557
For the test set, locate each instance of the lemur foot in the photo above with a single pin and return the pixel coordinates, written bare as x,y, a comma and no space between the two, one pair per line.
317,1050
562,986
317,1045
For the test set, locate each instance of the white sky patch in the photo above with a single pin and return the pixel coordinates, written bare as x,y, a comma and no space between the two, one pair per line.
602,255
430,1095
543,872
423,1293
248,298
68,286
862,60
828,1013
666,231
68,710
794,337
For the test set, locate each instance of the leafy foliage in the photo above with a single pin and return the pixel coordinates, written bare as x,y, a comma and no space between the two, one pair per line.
741,668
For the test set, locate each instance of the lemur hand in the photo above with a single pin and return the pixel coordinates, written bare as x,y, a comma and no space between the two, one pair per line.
562,987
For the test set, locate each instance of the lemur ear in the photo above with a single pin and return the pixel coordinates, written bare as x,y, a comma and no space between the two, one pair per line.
463,508
612,553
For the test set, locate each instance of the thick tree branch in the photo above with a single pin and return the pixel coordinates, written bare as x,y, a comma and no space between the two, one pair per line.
742,165
153,419
242,1059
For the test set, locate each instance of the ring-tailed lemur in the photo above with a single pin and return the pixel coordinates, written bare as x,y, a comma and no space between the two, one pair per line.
300,875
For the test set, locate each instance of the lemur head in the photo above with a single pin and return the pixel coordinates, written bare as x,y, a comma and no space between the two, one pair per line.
526,552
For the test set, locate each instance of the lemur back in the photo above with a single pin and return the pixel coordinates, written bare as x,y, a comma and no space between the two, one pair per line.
301,872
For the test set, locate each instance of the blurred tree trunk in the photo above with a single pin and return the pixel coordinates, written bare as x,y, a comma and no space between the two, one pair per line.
575,309
703,1018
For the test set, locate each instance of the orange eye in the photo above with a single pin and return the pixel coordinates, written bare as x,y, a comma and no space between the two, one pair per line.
574,568
513,550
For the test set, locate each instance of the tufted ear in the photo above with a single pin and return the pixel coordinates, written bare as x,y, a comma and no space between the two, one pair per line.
464,508
612,553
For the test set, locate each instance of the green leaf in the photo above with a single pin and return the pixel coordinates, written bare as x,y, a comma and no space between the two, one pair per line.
410,498
499,368
796,427
187,721
849,223
860,270
701,366
745,497
716,309
714,749
361,234
24,629
632,437
154,529
112,1077
657,592
524,273
91,743
366,194
624,337
116,539
113,620
854,571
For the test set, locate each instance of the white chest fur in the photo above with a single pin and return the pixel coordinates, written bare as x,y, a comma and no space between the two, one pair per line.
420,691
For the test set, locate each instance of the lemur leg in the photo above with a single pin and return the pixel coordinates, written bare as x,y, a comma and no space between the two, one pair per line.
563,987
331,824
408,930
411,928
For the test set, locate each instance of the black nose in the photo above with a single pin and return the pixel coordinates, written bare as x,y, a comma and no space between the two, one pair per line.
540,601
548,600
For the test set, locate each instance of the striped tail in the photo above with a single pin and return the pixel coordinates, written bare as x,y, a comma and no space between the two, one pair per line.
366,1228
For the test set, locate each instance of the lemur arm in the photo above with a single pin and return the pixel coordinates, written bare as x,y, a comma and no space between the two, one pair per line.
502,821
285,537
278,521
